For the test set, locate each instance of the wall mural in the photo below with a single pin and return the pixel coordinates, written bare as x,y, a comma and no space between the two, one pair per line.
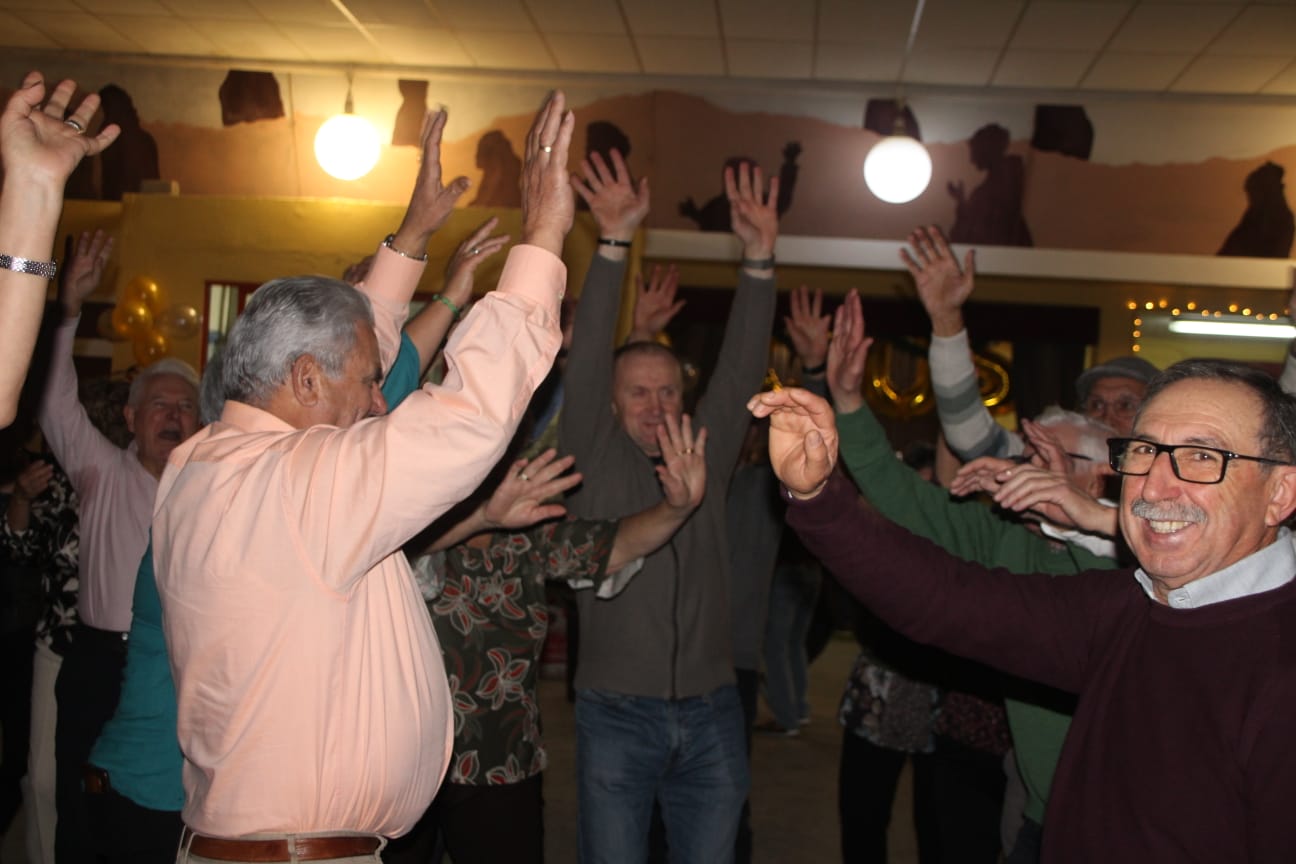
1017,178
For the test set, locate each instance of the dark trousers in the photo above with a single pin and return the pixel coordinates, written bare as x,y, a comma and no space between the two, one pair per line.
1027,848
126,833
866,786
87,689
748,688
477,825
15,719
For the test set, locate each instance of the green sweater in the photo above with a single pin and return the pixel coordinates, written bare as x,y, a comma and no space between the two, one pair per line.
973,532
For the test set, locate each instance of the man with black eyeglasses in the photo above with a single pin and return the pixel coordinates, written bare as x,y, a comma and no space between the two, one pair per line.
1180,749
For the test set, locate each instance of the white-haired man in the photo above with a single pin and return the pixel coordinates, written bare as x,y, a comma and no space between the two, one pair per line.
313,709
116,488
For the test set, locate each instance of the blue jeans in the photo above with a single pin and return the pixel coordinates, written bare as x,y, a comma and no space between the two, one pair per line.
687,753
792,603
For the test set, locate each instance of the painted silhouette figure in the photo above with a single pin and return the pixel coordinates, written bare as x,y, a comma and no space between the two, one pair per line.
246,97
992,214
501,183
714,215
134,158
409,119
1266,228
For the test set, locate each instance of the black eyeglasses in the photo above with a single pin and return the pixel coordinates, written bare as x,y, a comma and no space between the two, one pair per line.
1190,462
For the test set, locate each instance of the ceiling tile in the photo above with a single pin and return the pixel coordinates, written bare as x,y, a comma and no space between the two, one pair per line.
1068,26
1213,73
405,13
1019,68
299,11
967,23
663,55
79,32
1284,83
507,16
1171,28
767,19
671,18
213,9
594,53
1259,30
1135,71
252,39
506,50
156,35
422,46
850,21
341,43
750,58
596,17
962,67
856,62
40,5
15,31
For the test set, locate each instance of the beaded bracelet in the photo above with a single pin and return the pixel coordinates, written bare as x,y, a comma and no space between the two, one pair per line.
48,269
449,304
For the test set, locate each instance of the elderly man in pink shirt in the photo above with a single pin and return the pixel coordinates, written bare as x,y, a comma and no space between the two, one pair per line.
314,713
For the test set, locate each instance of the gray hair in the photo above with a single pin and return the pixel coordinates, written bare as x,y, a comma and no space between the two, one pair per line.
210,401
1092,434
287,319
165,366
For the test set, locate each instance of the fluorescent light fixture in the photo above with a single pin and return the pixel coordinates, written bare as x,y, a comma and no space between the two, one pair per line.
1234,329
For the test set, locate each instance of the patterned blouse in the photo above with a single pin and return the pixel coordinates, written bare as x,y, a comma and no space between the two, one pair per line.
488,606
50,543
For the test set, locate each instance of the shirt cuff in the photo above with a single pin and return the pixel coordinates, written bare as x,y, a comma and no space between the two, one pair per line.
536,274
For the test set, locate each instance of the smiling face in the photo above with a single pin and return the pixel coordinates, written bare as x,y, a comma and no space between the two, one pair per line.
1182,531
645,388
165,414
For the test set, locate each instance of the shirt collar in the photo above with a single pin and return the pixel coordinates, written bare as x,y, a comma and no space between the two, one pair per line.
247,418
1272,567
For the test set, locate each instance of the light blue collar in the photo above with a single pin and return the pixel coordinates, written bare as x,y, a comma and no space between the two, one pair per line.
1272,567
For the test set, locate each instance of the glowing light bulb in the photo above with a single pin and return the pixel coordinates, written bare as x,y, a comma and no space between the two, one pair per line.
897,169
347,146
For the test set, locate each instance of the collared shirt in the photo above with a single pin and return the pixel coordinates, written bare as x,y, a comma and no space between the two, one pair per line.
1272,567
116,494
311,693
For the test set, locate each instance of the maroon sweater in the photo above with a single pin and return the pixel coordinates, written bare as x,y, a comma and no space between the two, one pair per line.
1181,748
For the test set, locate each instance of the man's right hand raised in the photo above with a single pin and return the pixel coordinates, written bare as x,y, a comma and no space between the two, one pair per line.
802,438
84,270
943,286
548,205
619,205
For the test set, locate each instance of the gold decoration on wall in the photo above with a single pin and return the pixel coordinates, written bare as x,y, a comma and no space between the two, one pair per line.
897,382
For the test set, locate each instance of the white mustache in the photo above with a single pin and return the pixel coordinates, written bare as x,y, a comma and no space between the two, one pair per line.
1167,512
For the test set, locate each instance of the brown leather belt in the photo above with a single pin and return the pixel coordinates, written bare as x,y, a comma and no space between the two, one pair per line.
323,848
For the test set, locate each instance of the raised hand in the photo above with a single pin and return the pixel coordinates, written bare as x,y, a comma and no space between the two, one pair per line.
1049,452
683,476
84,270
755,219
847,353
548,204
519,500
463,263
33,480
802,439
431,201
1036,491
943,286
655,304
807,327
618,205
42,144
984,474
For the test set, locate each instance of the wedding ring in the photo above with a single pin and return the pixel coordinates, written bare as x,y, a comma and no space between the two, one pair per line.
522,475
75,124
548,148
687,450
474,250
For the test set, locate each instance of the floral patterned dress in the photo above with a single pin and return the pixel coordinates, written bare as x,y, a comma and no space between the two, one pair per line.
488,606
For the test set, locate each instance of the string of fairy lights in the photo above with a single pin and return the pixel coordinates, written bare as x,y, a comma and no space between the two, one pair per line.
1191,310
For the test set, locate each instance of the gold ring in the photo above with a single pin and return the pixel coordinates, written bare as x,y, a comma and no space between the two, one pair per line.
548,148
75,124
475,250
522,475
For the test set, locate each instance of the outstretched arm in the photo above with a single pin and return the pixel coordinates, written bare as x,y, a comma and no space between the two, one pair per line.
655,303
39,149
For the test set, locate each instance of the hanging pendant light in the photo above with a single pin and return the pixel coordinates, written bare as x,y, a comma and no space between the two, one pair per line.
898,168
347,146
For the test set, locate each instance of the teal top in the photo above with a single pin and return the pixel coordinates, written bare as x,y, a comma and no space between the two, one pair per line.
138,746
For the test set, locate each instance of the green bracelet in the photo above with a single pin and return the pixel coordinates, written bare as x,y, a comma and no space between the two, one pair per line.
449,304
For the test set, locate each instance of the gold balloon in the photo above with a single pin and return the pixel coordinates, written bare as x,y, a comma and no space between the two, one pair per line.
146,291
107,329
150,348
179,322
132,318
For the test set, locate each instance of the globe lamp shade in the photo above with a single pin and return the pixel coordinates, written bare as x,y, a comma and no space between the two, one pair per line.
897,169
347,146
